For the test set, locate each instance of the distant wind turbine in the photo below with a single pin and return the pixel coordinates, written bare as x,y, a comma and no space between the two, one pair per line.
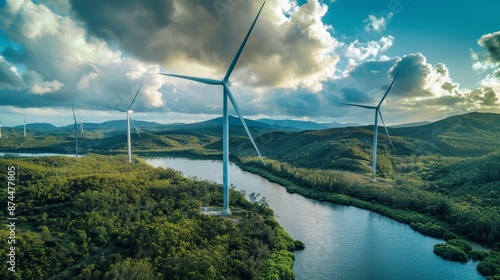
375,128
225,83
1,127
81,122
129,119
75,127
24,125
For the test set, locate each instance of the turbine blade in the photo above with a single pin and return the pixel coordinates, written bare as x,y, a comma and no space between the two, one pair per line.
382,100
235,60
116,109
362,106
134,97
24,119
135,127
196,79
386,131
74,117
237,109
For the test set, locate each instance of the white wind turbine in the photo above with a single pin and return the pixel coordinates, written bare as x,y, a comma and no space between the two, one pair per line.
129,119
375,127
225,83
75,127
24,125
1,127
81,122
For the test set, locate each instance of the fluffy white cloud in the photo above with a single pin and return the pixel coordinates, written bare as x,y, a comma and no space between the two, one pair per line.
374,24
58,57
290,46
360,51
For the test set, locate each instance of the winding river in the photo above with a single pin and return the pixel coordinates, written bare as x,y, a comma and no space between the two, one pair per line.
342,242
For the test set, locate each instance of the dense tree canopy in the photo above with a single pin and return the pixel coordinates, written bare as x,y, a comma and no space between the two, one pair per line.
98,217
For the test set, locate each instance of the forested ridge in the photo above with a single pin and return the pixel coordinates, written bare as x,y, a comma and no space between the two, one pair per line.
98,217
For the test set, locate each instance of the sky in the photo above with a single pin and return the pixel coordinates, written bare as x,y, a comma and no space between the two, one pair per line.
301,61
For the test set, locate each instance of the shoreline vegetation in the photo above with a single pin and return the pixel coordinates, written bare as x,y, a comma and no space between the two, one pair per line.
98,217
456,248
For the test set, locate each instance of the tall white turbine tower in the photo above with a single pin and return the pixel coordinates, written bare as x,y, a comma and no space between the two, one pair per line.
375,128
129,119
75,127
24,125
225,83
81,122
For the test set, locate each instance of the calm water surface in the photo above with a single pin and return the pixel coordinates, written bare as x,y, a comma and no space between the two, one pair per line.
342,242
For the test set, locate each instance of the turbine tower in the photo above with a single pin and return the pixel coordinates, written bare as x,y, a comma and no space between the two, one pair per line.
24,126
75,127
1,127
129,119
225,83
81,122
375,128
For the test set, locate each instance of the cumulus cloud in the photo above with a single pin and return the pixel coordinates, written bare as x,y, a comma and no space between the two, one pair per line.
97,53
486,63
290,46
418,78
374,24
9,78
361,51
491,42
38,86
485,97
63,64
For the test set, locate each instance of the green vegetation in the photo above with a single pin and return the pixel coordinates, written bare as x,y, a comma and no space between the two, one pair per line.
490,265
443,179
456,250
98,217
450,252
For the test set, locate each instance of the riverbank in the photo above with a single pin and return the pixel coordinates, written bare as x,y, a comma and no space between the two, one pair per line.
426,225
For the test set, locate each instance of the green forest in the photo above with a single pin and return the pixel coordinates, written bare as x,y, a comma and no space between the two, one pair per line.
98,217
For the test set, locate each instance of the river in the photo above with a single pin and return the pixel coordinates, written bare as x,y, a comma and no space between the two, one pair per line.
342,242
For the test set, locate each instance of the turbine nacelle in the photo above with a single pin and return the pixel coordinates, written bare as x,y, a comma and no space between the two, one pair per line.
228,83
130,111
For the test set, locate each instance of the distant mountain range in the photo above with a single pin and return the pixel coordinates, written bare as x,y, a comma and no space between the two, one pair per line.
287,125
305,125
109,125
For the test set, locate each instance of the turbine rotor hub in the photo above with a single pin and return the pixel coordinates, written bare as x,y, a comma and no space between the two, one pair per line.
228,83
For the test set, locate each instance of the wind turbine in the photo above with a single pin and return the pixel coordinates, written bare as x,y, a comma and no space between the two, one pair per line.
24,126
129,118
225,83
1,127
75,127
375,128
81,122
